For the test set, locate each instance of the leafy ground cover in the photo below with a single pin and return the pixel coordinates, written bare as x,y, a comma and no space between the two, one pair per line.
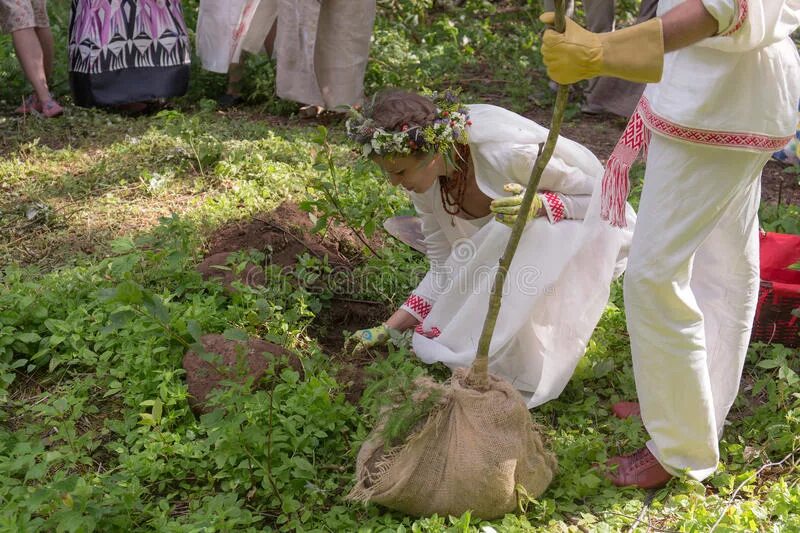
104,220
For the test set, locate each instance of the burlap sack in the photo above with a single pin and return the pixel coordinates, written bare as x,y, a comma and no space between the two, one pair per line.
472,452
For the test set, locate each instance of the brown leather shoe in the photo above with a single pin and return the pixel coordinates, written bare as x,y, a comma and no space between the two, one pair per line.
626,410
640,469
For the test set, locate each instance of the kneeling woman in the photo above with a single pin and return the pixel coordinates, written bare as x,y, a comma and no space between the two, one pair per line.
465,168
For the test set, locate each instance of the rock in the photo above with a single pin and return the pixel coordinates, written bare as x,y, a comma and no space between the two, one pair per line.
256,357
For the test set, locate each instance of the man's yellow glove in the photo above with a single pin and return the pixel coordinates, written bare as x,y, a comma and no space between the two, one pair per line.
635,53
506,210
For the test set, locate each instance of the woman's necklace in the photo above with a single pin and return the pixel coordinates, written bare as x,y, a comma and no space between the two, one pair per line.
453,187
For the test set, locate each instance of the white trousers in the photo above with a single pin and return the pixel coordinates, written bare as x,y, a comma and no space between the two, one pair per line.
690,295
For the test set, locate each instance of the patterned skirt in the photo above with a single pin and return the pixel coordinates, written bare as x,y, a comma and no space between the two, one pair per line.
123,51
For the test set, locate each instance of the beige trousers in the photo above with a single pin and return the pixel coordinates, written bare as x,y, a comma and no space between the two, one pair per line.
690,295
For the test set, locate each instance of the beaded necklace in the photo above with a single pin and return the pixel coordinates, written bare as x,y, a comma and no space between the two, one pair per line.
452,188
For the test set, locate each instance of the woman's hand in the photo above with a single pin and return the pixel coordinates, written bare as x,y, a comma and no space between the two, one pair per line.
368,338
506,210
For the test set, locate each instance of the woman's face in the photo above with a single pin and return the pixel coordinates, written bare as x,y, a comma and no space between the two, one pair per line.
412,172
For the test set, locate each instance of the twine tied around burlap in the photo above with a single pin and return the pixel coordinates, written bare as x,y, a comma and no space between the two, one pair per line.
477,447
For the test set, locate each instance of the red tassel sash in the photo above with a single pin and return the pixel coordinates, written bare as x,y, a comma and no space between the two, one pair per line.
616,182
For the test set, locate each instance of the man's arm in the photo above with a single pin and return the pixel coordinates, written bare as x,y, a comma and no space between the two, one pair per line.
686,24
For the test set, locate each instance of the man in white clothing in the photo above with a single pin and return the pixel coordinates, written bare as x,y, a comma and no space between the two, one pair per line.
724,80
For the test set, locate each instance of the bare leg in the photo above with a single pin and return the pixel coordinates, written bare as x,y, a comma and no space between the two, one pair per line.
31,57
46,41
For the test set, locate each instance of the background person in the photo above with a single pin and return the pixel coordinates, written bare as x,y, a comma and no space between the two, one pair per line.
225,29
125,53
29,26
320,47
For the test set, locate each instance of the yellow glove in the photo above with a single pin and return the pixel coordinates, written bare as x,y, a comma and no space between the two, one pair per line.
367,338
506,210
635,53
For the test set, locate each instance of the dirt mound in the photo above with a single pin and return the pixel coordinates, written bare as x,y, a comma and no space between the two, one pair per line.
281,235
239,361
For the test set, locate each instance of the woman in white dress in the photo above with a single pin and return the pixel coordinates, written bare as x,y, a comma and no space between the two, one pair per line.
465,168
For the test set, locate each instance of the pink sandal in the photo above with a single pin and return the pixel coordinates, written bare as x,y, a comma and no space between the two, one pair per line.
30,105
51,109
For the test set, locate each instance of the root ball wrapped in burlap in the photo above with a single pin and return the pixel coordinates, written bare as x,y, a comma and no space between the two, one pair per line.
471,453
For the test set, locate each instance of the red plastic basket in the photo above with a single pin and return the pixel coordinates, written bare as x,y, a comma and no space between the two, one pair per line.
779,294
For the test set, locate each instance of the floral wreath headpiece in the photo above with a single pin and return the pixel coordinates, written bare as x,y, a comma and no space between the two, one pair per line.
448,128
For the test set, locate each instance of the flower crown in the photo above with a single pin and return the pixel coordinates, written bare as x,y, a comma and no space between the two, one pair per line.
449,127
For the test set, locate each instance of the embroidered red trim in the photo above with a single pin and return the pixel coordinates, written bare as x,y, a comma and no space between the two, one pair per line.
616,186
419,305
240,29
431,334
556,206
710,137
742,12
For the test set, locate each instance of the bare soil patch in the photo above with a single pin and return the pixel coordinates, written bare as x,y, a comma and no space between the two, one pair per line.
238,362
329,326
779,186
599,133
282,235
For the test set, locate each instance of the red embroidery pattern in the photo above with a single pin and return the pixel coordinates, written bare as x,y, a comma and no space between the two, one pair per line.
419,305
431,334
616,186
742,16
238,33
635,135
710,137
555,204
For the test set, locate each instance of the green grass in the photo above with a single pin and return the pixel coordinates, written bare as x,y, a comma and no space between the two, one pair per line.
99,298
